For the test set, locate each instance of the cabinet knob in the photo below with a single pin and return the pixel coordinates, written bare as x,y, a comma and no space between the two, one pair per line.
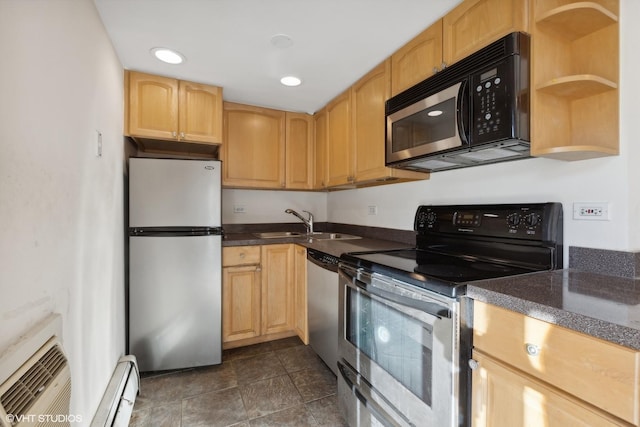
435,70
473,364
174,134
443,65
182,135
532,349
242,255
258,268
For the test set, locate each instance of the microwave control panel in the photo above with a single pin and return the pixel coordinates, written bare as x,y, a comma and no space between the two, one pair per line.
493,96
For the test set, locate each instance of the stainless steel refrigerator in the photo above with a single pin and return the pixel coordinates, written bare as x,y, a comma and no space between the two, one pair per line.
175,274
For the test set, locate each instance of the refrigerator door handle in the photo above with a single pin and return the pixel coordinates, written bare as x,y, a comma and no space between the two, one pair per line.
175,231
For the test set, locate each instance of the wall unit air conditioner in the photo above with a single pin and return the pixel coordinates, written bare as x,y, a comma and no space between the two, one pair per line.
35,387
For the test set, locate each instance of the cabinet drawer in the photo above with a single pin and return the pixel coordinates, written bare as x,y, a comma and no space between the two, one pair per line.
601,373
240,255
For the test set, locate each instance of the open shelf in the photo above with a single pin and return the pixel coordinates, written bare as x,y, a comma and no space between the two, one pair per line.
577,86
577,19
575,71
575,152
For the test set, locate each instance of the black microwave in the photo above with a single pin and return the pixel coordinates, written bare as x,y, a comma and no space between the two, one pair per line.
471,113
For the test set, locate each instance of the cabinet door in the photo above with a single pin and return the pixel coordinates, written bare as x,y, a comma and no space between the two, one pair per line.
277,288
254,147
368,122
502,397
339,147
152,106
200,113
578,364
320,129
241,314
300,293
417,60
299,151
476,23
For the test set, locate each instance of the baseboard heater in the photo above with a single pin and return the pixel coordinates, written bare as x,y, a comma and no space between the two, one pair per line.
116,405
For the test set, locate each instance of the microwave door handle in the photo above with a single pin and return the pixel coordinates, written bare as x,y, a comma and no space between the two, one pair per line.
464,101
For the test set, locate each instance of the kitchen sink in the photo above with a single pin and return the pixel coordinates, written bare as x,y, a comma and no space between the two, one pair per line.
334,236
318,235
278,234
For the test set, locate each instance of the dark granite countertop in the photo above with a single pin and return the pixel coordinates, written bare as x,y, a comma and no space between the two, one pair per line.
331,247
606,307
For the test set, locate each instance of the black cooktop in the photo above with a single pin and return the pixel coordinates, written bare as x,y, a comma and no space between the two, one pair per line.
441,273
459,244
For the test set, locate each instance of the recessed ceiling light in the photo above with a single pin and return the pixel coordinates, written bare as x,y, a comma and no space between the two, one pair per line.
434,113
167,55
290,81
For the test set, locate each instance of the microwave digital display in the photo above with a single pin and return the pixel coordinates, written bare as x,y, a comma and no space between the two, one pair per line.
489,74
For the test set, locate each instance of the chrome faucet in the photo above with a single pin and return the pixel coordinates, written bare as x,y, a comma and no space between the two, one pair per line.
307,222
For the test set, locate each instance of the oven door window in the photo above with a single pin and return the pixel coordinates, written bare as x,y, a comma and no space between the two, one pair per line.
397,342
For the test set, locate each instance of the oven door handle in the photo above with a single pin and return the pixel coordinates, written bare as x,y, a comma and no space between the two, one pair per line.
375,409
430,308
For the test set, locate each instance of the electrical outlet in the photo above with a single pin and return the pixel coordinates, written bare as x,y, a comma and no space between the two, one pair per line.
239,209
592,211
372,210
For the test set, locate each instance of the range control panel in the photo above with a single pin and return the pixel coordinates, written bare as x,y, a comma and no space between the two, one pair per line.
519,221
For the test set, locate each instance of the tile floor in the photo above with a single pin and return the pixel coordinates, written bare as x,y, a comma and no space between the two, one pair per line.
279,383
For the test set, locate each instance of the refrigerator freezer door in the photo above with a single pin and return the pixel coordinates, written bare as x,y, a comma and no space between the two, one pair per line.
173,193
175,301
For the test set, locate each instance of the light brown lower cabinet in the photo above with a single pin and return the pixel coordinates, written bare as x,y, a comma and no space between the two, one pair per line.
504,397
263,294
241,293
300,293
527,372
277,288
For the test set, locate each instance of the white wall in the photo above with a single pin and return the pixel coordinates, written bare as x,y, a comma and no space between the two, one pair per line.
268,206
630,111
61,206
615,179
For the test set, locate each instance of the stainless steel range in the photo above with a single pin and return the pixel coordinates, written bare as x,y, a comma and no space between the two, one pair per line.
405,333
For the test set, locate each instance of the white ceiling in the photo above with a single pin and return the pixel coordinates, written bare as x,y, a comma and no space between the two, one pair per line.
228,42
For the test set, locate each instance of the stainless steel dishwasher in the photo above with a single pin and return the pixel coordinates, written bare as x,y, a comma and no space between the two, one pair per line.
323,301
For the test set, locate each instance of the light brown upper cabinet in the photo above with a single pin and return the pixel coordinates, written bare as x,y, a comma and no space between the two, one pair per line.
164,109
320,138
266,148
368,96
350,136
418,59
339,166
470,26
253,154
475,23
575,72
299,151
